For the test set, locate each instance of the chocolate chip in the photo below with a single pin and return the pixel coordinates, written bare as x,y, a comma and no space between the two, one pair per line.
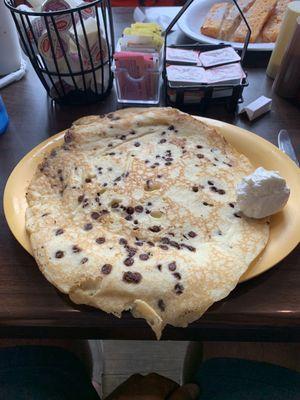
231,205
205,203
130,210
161,305
199,146
111,153
200,156
137,144
221,191
88,227
162,141
192,234
84,260
144,257
159,267
69,137
171,128
195,189
132,277
59,254
172,266
229,165
237,215
178,288
187,246
80,198
213,189
154,228
106,269
115,205
131,251
150,243
140,244
132,132
139,209
163,247
177,275
210,183
165,240
45,214
100,240
95,215
128,261
128,217
123,137
169,159
88,180
59,232
76,249
112,117
174,244
123,242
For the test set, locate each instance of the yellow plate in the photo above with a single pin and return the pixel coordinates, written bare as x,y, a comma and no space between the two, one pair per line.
284,227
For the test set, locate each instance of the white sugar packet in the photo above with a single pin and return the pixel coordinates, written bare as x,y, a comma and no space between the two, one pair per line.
218,57
258,107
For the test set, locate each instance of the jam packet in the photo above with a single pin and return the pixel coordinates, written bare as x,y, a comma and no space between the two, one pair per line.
181,75
218,57
230,74
182,56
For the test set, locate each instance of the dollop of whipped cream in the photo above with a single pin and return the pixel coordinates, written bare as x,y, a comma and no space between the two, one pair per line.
262,193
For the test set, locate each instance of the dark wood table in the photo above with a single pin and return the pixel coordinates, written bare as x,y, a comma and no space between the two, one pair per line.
266,308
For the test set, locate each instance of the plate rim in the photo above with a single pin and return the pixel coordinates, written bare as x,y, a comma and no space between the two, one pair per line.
182,23
210,121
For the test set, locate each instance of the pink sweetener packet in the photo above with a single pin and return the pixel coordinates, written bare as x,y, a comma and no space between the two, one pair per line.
217,57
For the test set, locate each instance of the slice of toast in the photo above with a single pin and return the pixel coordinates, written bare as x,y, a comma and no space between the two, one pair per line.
257,16
272,26
213,20
233,18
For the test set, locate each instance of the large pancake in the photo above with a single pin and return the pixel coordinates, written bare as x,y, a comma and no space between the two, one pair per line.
137,212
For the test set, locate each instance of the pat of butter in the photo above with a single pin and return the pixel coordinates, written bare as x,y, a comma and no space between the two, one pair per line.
262,193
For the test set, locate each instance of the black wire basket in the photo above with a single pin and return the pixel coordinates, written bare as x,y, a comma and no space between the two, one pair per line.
204,95
70,50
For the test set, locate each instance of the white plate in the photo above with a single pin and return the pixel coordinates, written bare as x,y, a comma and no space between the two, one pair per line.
193,18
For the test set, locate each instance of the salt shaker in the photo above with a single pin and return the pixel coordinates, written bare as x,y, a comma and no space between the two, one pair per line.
10,60
284,37
287,82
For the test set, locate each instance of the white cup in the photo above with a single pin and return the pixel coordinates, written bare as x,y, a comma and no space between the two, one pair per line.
10,59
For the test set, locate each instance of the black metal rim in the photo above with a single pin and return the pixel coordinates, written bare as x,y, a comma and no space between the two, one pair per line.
60,12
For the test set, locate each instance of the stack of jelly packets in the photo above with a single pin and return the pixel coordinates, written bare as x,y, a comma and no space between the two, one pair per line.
195,68
186,75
